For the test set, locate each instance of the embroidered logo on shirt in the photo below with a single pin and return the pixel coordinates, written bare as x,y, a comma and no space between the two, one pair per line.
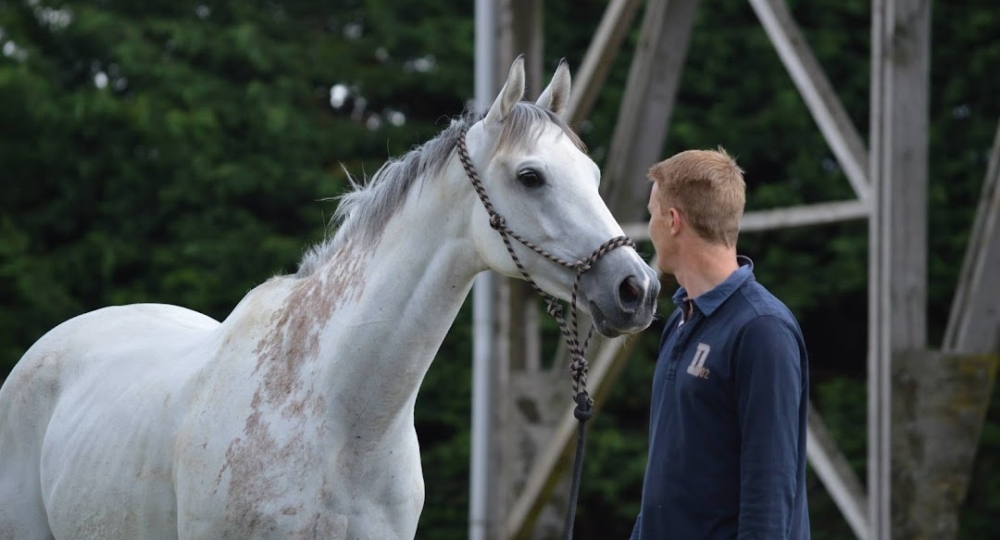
697,367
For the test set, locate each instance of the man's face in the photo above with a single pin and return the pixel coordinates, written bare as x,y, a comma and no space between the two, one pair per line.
659,229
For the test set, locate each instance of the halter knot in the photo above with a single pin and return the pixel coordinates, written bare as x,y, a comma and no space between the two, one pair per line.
497,222
584,407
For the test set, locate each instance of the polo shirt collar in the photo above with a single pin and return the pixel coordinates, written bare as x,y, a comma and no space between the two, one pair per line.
708,302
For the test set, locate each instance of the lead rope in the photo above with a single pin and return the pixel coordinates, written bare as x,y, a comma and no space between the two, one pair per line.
578,364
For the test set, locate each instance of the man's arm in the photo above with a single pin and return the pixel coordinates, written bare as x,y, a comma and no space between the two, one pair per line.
768,391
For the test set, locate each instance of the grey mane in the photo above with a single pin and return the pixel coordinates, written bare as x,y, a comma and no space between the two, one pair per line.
363,212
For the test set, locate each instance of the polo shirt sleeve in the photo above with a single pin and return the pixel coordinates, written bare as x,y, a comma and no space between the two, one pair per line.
768,393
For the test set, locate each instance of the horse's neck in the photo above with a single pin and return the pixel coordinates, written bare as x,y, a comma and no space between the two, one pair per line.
353,341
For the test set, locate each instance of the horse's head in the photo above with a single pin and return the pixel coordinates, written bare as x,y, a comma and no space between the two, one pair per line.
543,184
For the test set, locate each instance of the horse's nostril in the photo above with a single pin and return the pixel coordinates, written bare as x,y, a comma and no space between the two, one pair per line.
629,293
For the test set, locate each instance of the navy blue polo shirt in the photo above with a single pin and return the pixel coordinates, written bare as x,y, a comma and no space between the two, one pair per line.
727,435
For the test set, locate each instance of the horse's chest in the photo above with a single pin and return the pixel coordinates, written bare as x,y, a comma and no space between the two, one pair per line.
297,483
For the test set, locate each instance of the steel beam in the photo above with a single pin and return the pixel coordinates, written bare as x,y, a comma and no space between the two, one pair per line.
975,312
593,71
837,476
641,129
816,91
897,311
781,218
482,521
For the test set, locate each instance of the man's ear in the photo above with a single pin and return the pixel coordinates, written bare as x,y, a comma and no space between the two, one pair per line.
676,221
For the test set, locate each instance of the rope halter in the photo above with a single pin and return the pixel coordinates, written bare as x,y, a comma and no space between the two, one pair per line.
570,331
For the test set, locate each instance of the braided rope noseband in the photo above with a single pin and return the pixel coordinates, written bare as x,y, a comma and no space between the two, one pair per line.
578,351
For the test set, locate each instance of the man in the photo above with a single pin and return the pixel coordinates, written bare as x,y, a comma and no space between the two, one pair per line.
727,437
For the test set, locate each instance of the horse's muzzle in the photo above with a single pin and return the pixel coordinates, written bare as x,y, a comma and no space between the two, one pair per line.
620,292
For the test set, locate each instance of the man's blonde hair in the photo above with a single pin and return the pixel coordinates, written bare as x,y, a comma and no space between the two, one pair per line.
707,187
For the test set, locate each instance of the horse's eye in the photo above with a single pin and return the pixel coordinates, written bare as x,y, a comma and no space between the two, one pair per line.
530,178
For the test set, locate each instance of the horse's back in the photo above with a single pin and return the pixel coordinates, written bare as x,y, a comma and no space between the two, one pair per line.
79,406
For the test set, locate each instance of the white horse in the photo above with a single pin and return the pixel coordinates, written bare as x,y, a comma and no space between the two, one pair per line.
293,417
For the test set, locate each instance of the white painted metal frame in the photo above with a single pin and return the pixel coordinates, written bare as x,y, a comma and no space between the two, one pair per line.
845,142
816,91
782,218
483,309
647,105
836,474
604,47
975,311
897,312
898,126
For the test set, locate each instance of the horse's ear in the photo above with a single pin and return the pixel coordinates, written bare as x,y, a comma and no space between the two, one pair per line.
556,96
510,94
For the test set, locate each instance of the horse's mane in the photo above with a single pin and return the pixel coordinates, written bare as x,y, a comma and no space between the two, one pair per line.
364,211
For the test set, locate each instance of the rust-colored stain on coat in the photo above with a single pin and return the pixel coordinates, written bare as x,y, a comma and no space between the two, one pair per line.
287,355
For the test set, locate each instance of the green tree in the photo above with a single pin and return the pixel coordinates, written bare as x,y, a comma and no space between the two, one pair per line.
178,152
